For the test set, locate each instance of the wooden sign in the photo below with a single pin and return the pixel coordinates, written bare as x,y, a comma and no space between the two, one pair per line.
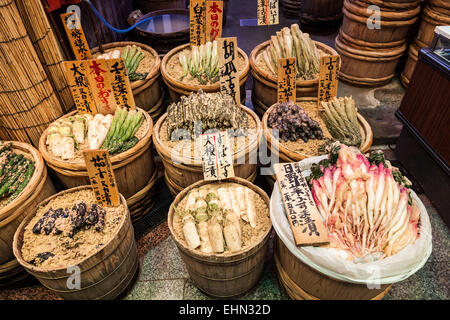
79,86
120,83
101,85
76,36
267,12
197,18
214,18
102,177
303,215
286,90
217,156
328,78
229,77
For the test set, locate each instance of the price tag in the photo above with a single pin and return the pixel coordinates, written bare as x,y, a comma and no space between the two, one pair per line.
328,81
267,12
197,18
120,82
79,86
229,78
102,177
286,80
75,33
101,84
217,156
214,18
302,213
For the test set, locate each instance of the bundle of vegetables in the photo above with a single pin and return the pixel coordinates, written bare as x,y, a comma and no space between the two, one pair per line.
293,123
65,134
121,134
15,172
132,56
202,63
292,43
210,216
365,203
341,119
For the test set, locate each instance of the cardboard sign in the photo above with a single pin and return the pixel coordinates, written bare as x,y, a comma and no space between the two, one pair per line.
286,90
79,86
229,77
214,18
76,36
328,78
101,86
267,12
102,177
120,83
302,213
197,16
217,156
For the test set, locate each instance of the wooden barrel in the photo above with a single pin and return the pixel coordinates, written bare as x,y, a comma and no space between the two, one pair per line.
430,19
305,283
181,171
12,274
286,155
394,25
393,5
39,187
413,56
290,8
148,92
368,68
138,159
104,274
178,88
440,6
320,11
265,83
220,275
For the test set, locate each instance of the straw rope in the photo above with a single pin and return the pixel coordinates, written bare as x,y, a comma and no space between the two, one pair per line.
28,102
47,47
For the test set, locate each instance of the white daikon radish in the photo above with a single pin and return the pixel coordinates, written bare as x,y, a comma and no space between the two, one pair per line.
204,237
251,210
190,232
67,145
115,54
215,236
190,203
93,130
232,237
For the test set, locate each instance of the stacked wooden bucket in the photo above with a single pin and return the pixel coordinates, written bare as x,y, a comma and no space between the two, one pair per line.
436,13
370,52
320,11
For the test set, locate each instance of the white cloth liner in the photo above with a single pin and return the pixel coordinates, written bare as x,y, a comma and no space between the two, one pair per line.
332,262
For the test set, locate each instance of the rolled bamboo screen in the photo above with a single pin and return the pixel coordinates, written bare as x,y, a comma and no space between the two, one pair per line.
28,103
47,48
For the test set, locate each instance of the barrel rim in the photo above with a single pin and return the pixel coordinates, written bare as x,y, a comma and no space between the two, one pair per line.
18,236
390,18
195,254
243,74
375,56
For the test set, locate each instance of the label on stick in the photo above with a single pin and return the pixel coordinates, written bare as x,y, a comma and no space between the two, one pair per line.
102,177
101,85
79,86
229,77
328,78
267,12
286,90
217,156
197,17
214,18
120,82
77,39
303,215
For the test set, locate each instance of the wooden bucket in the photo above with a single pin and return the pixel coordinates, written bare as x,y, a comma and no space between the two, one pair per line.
138,159
39,187
286,155
320,11
265,83
178,88
394,25
181,172
291,8
357,64
305,283
142,202
393,5
440,6
430,19
104,275
148,92
223,276
413,56
11,274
